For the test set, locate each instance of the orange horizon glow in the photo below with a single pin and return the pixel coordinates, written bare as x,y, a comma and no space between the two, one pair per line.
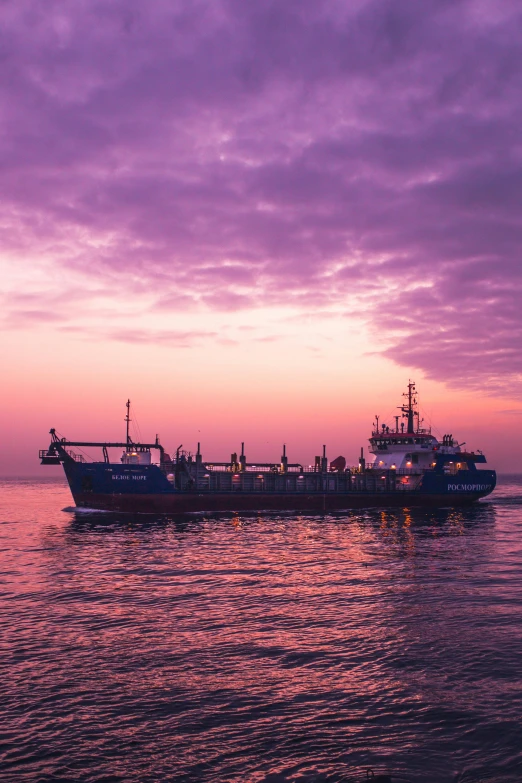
264,394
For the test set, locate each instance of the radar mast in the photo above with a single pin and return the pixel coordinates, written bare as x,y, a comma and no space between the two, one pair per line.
128,421
408,409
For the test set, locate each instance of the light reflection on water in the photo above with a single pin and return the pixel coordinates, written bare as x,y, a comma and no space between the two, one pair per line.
259,647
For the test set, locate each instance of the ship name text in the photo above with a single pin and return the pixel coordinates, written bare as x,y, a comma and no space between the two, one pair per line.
128,477
469,487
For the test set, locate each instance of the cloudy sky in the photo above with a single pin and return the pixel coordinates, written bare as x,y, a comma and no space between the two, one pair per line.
259,219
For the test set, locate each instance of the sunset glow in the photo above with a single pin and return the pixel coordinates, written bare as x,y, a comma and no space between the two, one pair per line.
258,221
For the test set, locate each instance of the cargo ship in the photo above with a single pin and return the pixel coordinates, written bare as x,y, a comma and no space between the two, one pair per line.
410,467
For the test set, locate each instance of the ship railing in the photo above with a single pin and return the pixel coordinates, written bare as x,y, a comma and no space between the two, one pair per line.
265,469
311,469
276,470
423,433
76,457
416,471
43,453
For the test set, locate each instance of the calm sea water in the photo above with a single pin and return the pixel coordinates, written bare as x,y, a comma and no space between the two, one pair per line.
259,648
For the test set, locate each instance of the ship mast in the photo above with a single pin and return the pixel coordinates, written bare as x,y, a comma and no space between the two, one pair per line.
408,410
128,420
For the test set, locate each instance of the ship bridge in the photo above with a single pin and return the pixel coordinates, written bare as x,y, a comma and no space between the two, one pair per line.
405,452
407,446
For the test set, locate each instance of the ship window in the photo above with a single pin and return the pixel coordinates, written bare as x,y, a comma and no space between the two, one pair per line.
415,459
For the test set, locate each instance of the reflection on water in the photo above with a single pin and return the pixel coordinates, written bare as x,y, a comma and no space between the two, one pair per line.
447,519
264,647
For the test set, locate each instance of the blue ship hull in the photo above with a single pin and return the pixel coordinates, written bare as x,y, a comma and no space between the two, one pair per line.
146,489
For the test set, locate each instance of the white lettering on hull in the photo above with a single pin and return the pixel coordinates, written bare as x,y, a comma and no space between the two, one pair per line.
469,487
128,478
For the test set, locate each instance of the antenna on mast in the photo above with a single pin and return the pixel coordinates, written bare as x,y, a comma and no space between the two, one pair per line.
409,410
128,421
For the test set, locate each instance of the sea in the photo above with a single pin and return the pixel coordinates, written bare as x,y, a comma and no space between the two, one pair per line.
259,648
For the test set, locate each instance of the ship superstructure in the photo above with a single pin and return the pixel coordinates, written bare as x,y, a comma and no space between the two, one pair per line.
410,467
411,449
405,446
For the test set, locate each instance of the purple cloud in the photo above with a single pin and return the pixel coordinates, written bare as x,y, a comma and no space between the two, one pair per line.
229,155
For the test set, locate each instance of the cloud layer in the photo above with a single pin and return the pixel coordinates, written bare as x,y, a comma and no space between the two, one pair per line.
231,155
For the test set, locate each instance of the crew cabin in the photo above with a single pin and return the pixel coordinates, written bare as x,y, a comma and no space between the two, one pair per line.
403,451
136,455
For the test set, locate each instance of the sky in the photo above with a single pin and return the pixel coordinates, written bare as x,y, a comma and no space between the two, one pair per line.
259,220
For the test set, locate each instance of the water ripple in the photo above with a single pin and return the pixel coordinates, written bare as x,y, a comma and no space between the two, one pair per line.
259,648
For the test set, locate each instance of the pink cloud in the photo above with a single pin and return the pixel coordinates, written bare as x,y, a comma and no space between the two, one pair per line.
170,337
230,155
